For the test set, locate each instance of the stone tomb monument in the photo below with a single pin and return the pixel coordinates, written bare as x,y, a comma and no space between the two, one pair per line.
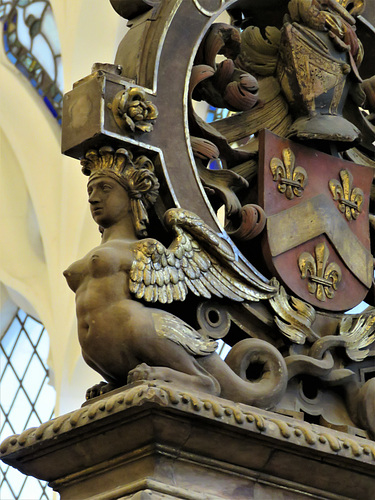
287,167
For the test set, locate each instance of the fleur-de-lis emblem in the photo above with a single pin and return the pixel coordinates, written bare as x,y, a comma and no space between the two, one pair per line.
323,278
291,179
350,200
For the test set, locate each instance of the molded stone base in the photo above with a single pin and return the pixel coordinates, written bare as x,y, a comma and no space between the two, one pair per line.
153,441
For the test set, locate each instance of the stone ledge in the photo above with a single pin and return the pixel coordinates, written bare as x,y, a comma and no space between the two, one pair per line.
132,436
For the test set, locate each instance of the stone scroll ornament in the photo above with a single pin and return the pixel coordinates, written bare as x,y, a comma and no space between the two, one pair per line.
278,268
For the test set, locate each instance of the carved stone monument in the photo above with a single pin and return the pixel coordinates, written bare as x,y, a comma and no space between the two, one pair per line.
290,412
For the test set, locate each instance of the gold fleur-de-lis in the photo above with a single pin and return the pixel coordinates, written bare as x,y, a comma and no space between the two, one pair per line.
323,278
350,200
291,179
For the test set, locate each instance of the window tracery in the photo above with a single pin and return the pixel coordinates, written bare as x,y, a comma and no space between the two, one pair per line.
32,44
26,398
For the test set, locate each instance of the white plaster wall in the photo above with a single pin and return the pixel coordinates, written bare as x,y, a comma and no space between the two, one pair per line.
45,222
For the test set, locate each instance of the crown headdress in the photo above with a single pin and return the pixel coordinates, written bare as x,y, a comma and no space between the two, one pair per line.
137,178
107,161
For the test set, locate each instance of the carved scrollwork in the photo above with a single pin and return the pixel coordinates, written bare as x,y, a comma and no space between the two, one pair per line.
323,278
291,179
350,199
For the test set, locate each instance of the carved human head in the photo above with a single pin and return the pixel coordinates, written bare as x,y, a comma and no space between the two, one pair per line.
136,177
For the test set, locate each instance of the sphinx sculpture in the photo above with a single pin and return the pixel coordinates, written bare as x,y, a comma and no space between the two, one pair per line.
124,340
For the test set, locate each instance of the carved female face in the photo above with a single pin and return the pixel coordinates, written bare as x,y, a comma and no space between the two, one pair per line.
109,201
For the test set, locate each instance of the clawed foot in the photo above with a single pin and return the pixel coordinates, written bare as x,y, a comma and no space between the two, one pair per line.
145,372
99,389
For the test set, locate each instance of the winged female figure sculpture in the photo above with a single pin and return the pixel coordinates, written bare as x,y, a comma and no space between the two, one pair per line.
122,338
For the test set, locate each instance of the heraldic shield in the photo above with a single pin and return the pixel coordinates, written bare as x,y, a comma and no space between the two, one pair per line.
317,234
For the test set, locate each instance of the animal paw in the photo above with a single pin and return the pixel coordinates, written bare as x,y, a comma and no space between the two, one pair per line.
99,389
145,372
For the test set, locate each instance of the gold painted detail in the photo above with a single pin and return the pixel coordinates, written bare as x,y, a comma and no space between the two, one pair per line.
350,199
359,334
294,317
291,179
131,110
323,278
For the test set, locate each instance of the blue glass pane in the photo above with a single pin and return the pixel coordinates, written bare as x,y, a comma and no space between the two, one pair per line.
23,31
3,361
33,421
49,30
43,346
11,58
6,431
46,402
20,412
21,314
42,51
22,355
34,329
35,9
31,489
9,387
50,107
34,377
16,479
10,337
5,492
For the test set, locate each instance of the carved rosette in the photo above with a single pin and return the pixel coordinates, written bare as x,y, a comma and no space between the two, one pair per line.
132,111
291,179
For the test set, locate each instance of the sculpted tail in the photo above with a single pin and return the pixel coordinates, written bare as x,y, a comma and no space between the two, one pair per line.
253,373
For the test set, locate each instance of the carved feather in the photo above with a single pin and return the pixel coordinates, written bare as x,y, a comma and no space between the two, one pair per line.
198,259
167,325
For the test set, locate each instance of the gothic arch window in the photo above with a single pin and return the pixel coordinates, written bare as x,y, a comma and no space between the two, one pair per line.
32,44
26,398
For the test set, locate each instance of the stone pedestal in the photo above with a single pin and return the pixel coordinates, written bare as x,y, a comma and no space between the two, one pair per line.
154,441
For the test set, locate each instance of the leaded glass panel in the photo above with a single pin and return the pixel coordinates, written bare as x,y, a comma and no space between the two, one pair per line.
32,44
26,398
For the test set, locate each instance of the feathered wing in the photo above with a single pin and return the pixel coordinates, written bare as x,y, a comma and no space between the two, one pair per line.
198,259
171,327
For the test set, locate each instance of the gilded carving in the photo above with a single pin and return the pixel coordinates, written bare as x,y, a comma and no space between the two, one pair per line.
294,317
323,277
350,199
133,111
291,179
359,334
293,79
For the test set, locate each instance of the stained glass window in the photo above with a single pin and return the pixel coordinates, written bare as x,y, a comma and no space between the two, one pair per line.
26,398
31,43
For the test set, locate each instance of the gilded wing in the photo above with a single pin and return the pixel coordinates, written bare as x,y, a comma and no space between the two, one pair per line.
171,327
198,259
